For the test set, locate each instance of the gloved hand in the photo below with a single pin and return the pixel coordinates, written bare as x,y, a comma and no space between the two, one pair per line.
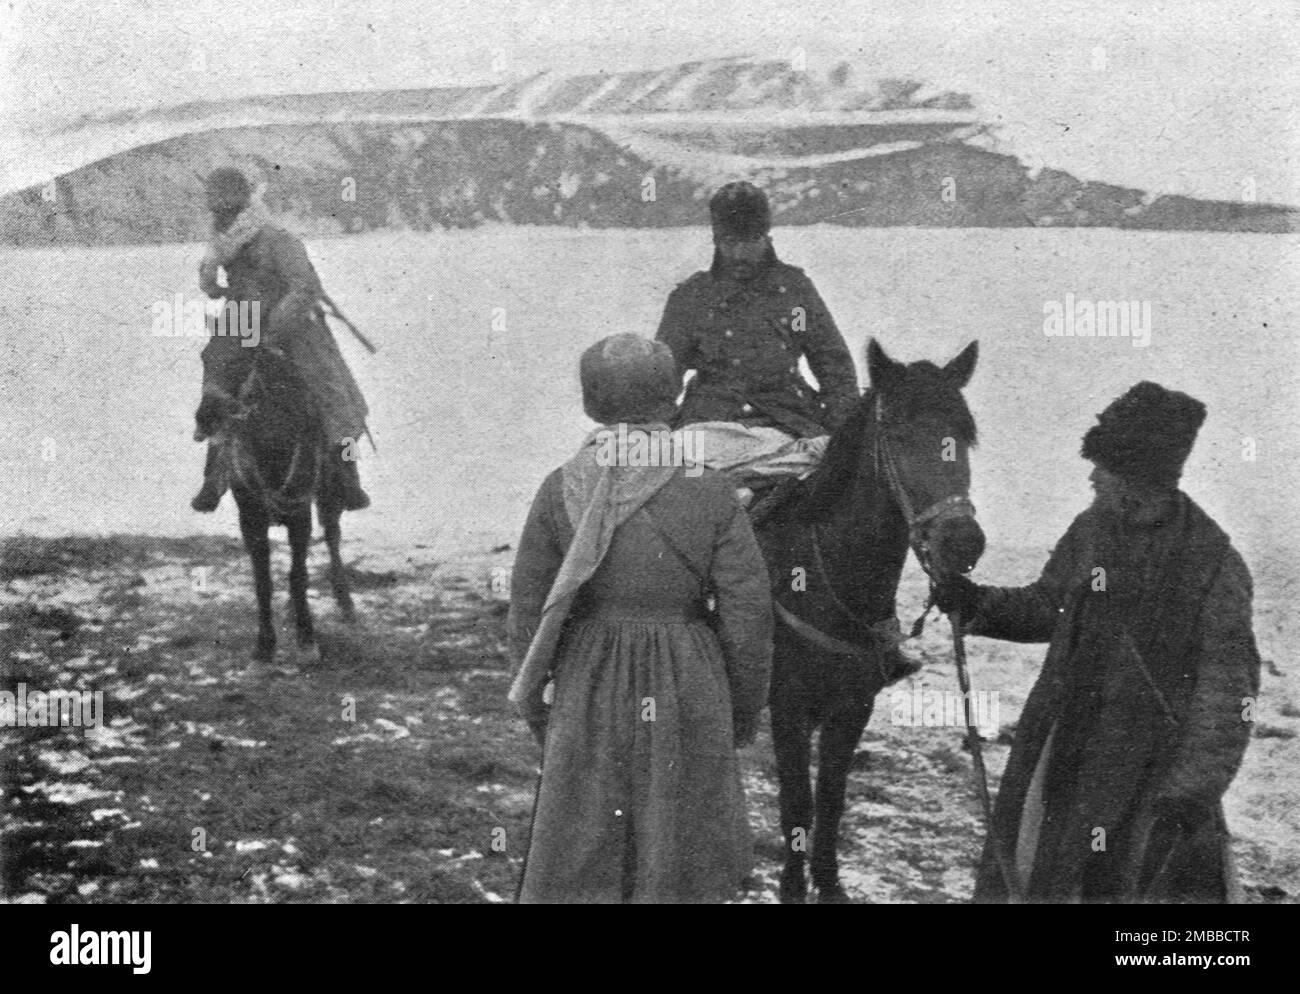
958,593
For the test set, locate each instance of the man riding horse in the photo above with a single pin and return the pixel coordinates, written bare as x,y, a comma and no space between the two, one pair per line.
267,268
742,326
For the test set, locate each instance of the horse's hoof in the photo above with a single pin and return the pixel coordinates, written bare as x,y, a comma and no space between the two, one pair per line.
833,895
258,669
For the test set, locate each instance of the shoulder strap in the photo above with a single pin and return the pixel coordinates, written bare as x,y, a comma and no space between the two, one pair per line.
691,566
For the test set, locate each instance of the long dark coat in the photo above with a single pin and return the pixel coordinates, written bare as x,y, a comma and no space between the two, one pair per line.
1145,696
641,797
744,339
273,270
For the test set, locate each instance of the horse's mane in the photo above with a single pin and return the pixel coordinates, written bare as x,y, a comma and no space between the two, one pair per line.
832,479
922,392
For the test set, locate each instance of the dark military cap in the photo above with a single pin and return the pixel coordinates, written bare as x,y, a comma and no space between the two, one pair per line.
1146,435
740,210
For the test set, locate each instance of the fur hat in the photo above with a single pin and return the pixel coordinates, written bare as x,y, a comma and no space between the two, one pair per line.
1146,435
740,210
629,378
228,188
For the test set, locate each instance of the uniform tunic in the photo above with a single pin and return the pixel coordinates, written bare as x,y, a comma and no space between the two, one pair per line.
641,797
744,339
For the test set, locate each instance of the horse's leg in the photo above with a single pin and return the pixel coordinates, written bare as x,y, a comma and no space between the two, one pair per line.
299,526
791,739
253,526
835,749
330,512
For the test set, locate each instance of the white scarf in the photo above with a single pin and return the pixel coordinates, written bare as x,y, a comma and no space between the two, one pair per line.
225,245
598,498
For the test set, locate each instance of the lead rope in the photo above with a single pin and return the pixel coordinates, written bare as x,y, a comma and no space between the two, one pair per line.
1009,880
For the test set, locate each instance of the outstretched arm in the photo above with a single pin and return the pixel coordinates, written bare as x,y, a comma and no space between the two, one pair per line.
1029,613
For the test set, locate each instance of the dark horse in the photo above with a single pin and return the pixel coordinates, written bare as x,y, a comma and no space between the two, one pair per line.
896,473
260,404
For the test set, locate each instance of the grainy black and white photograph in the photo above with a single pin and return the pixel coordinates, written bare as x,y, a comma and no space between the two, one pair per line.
591,452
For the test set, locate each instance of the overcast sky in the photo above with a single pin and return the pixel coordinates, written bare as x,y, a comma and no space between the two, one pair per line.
1195,96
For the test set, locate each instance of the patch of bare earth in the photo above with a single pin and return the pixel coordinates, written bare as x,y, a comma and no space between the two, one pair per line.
389,768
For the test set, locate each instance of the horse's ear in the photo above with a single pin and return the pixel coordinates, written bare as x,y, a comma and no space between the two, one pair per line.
959,369
880,367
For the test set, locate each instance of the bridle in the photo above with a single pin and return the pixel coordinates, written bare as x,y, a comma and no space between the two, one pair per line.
919,525
919,528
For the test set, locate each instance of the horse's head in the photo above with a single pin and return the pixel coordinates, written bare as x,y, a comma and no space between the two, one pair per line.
226,366
217,409
921,432
238,380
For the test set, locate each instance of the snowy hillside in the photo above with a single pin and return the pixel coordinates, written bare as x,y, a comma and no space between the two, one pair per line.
634,149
